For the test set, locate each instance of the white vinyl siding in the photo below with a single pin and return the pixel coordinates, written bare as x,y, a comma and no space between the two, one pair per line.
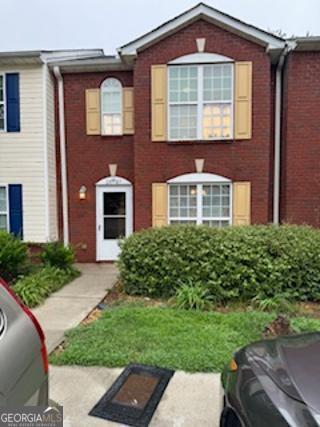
207,204
22,155
200,102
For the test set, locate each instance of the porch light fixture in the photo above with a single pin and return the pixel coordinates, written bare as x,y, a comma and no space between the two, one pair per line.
83,192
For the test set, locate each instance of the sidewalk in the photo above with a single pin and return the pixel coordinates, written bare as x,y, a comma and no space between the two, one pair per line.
190,400
66,308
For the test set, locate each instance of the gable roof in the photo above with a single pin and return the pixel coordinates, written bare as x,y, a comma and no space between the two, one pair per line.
208,13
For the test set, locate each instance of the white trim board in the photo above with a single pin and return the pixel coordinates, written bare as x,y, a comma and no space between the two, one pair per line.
198,178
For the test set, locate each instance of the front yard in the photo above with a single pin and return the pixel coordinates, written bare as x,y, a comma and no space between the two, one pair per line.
190,296
192,341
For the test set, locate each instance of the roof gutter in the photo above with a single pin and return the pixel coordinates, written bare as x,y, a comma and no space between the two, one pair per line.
63,157
277,133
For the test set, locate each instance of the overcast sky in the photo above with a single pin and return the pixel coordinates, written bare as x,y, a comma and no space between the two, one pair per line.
57,24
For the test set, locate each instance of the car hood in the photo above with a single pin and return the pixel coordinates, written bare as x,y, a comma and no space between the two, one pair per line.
293,363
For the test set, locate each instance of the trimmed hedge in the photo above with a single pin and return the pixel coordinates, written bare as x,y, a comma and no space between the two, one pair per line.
231,263
13,256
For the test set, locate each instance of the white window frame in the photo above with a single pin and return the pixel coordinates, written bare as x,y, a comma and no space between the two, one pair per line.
102,91
4,103
201,103
7,212
199,219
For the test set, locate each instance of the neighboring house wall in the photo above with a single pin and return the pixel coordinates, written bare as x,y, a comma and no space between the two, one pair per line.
22,153
301,140
88,158
27,157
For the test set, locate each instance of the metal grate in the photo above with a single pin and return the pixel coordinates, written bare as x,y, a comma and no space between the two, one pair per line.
3,323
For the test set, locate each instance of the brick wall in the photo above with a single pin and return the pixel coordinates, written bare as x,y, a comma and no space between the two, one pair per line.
144,162
301,140
88,159
239,160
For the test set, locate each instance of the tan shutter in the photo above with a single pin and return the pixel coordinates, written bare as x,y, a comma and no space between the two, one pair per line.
93,111
159,103
159,205
241,203
243,100
128,111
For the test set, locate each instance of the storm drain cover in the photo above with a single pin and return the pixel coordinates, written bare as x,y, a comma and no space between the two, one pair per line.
134,396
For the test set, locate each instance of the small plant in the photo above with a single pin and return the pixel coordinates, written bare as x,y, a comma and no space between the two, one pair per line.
280,303
13,257
55,254
192,297
35,288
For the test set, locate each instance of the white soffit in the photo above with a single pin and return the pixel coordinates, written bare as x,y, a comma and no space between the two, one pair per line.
198,178
200,58
208,13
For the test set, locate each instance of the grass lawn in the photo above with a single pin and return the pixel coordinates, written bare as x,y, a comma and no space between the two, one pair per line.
166,337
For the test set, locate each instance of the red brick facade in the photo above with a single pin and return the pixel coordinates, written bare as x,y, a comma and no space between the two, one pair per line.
301,140
144,162
88,158
238,160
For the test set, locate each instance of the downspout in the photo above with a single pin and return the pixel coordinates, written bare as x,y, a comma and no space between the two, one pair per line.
277,137
62,135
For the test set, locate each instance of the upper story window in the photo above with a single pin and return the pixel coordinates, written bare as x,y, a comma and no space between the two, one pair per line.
111,107
201,101
2,104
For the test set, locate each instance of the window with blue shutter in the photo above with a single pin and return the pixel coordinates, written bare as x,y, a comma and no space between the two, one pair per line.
15,210
13,102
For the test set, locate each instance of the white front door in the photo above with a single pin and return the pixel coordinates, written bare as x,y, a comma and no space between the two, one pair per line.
114,219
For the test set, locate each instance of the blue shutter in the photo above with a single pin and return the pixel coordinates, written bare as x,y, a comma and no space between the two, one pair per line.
13,102
15,210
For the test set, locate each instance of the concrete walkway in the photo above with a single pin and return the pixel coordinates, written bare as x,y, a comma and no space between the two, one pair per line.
190,400
66,308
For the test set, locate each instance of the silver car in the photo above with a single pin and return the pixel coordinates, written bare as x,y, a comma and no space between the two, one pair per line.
23,355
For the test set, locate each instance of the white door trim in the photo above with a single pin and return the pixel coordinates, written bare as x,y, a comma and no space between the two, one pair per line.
114,187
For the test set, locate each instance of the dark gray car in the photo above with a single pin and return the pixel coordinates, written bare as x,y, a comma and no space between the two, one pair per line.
23,356
275,383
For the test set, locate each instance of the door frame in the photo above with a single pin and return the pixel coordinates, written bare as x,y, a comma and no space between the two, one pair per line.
112,184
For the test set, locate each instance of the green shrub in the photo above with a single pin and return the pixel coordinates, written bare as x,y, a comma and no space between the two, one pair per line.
192,297
35,288
13,256
55,254
235,263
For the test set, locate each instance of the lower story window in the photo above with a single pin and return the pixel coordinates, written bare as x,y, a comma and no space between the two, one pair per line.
208,204
4,214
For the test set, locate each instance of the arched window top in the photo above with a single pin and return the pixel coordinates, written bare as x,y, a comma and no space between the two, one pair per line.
111,84
111,107
201,58
196,178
